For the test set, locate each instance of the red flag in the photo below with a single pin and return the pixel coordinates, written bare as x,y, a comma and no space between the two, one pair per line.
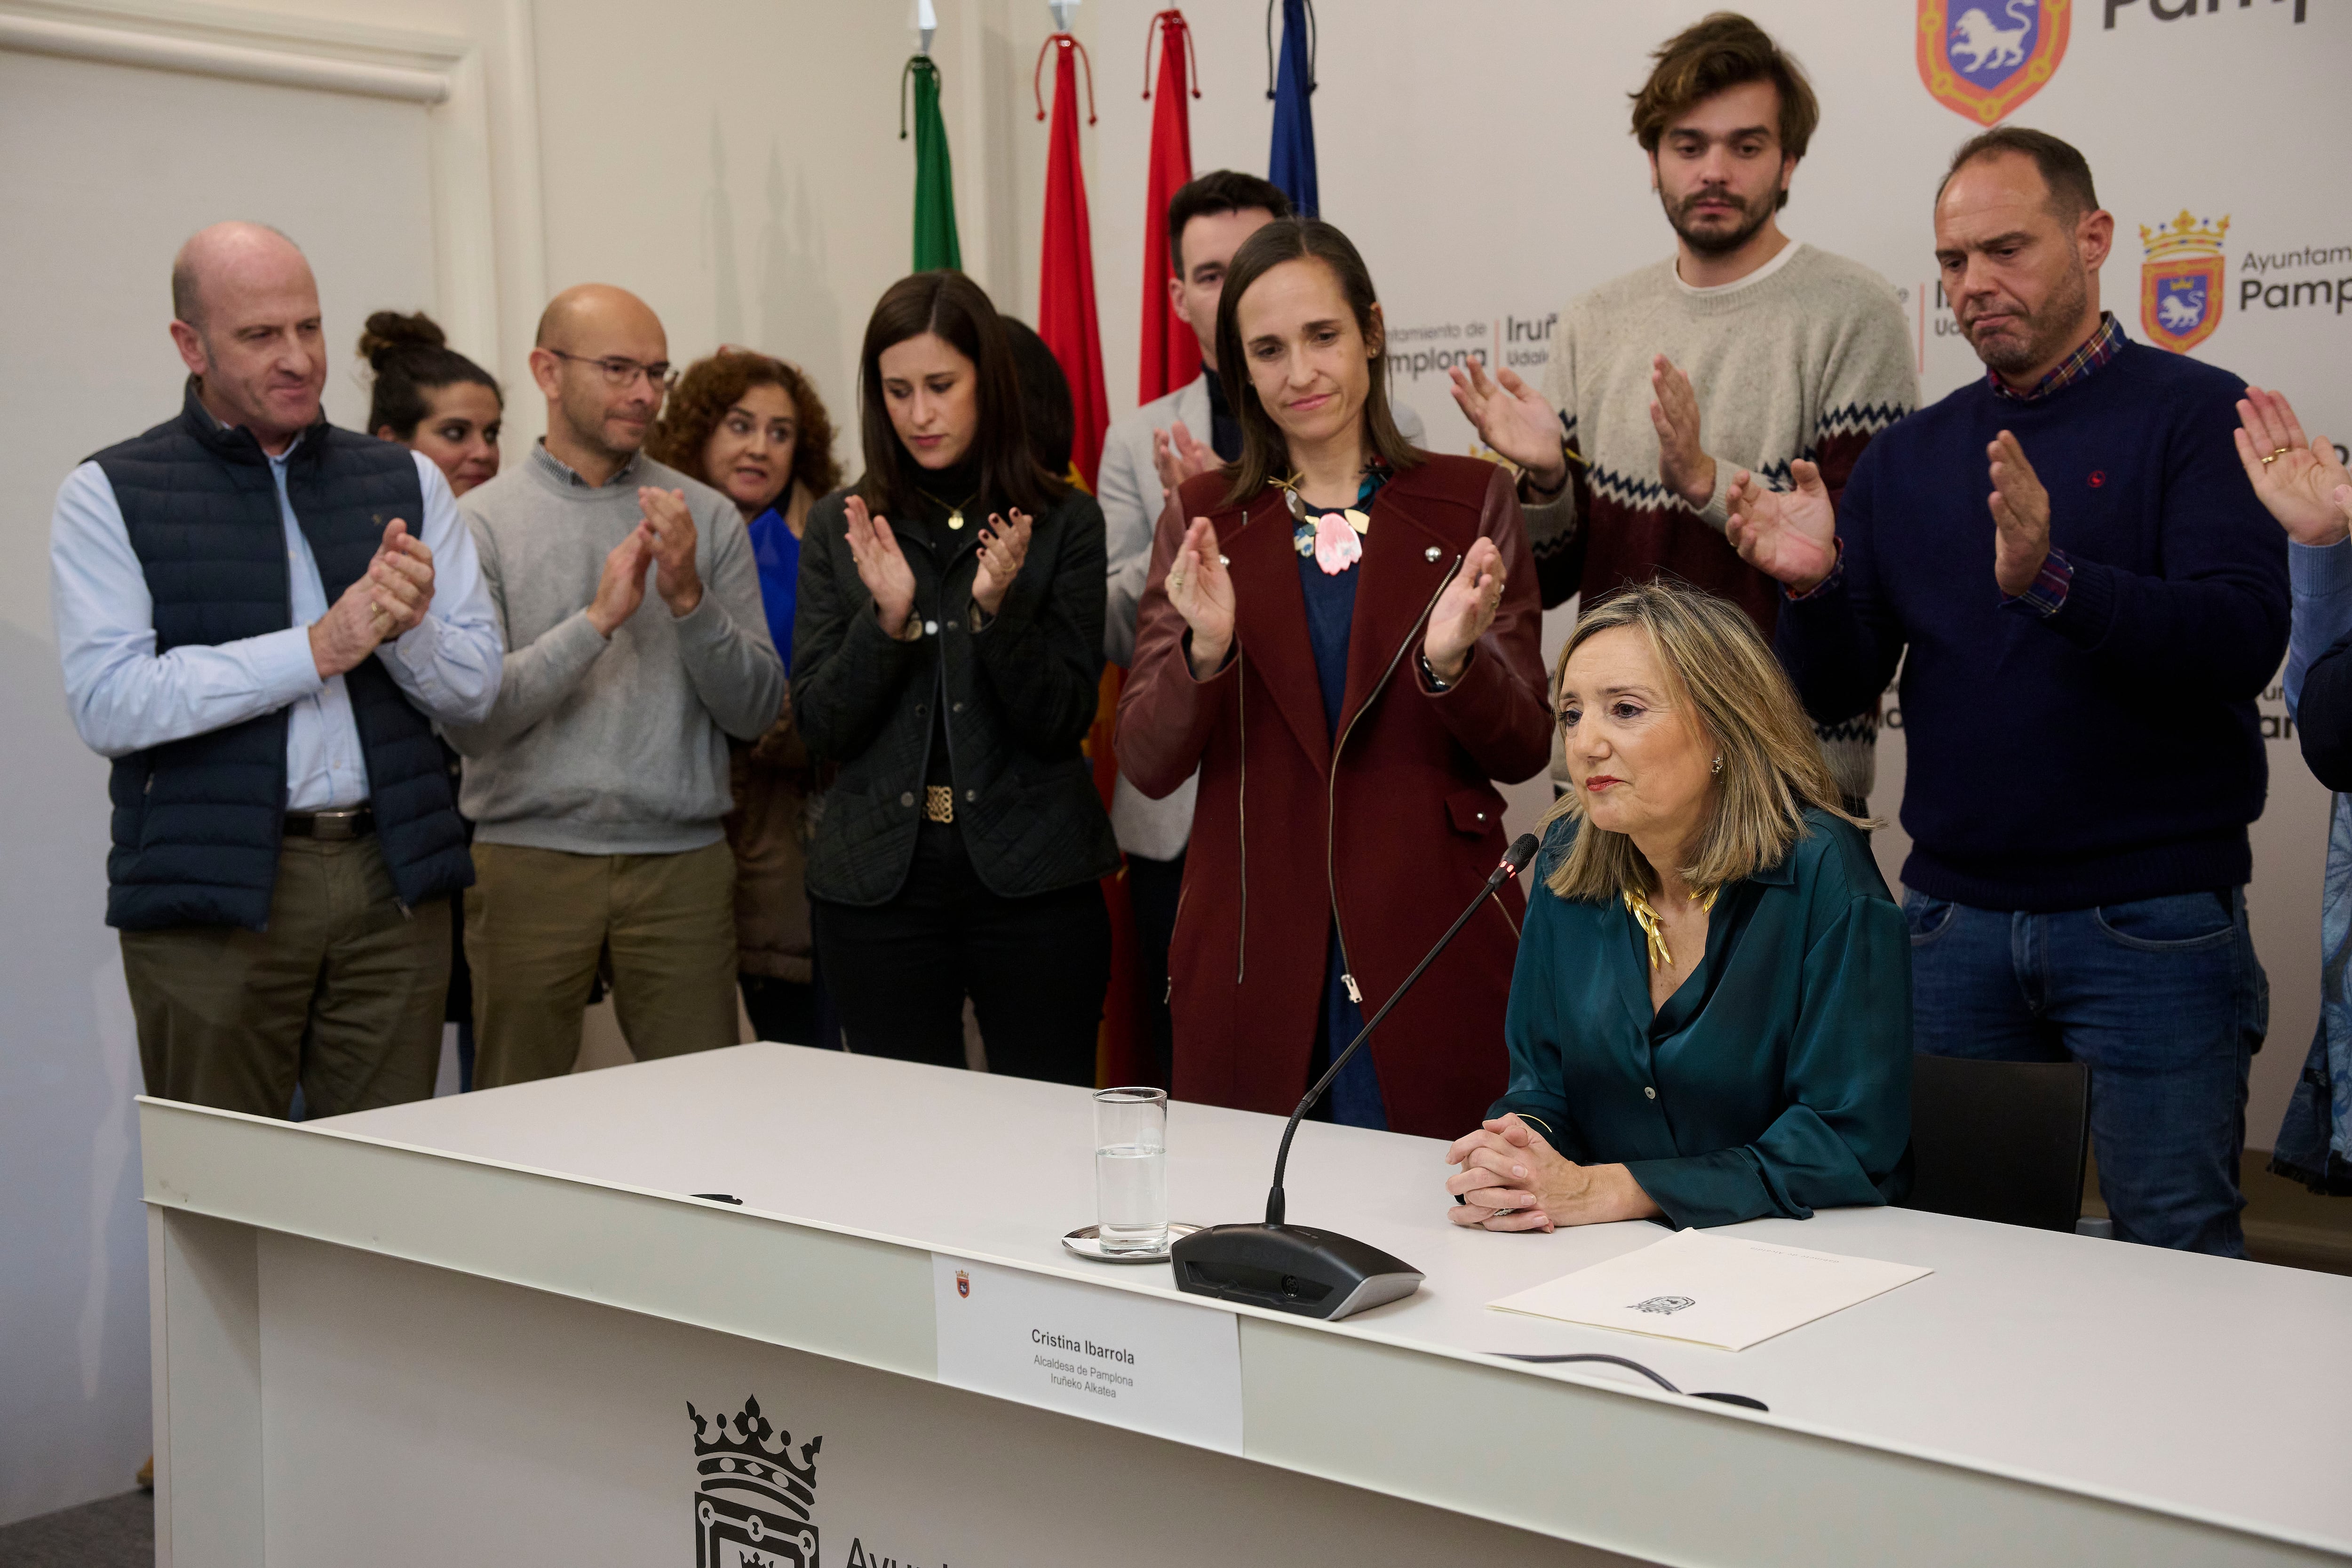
1066,293
1171,355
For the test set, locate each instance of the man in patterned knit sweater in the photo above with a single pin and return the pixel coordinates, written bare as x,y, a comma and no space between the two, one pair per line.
1747,346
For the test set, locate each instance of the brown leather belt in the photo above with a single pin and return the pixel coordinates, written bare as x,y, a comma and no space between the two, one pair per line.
939,803
350,822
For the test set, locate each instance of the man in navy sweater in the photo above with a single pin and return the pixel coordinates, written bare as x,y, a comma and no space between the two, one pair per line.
2091,597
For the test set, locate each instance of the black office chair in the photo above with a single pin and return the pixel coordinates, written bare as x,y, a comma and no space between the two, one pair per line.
1999,1141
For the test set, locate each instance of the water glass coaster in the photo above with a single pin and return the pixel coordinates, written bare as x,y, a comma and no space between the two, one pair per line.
1086,1242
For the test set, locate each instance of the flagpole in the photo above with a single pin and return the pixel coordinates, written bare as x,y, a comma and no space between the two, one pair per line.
1169,355
1290,163
1066,317
935,242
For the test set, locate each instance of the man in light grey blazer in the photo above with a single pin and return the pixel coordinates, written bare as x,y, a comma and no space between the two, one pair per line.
1145,456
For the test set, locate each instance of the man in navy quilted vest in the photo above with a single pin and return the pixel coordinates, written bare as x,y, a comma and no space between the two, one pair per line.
261,617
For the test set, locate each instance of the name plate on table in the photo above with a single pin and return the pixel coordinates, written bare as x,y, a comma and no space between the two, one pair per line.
1164,1367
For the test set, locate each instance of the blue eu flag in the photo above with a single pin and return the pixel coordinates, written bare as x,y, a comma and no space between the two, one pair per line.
1291,166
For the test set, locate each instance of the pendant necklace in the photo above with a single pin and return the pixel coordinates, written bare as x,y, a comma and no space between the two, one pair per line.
1647,919
955,512
1333,538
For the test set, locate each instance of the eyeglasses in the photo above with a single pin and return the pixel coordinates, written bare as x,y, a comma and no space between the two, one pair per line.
618,371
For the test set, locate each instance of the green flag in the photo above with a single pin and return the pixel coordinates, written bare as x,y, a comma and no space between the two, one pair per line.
935,223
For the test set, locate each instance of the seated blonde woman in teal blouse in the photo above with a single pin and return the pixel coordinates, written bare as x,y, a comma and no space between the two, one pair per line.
1710,1020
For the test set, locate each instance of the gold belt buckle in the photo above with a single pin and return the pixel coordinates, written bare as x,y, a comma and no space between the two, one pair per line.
939,803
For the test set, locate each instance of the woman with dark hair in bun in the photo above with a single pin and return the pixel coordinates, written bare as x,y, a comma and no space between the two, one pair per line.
432,399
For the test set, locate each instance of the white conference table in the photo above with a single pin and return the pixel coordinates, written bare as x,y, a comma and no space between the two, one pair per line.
464,1329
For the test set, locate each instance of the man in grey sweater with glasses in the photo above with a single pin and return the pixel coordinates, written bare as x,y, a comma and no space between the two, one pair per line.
598,782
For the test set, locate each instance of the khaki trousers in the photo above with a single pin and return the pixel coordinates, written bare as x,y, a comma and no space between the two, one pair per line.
539,920
343,993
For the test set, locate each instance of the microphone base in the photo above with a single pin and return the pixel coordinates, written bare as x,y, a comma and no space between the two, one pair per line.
1290,1268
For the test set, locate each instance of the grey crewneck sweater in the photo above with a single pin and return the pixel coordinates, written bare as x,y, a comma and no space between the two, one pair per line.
619,747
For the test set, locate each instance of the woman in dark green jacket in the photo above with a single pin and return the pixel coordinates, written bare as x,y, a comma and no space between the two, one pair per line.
1711,1017
947,645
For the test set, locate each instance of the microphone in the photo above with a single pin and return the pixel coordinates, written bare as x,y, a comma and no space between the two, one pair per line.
1317,1273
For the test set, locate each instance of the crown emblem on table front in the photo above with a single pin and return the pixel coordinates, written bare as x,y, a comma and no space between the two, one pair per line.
751,1496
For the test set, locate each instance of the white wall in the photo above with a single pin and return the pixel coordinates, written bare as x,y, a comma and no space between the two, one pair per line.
110,167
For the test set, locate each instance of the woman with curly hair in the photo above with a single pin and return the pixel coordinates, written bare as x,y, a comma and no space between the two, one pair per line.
754,428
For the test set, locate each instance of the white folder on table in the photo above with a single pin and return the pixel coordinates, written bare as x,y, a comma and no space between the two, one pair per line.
1722,1290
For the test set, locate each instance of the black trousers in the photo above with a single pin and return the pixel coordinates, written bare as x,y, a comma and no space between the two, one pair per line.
786,1010
1035,969
1154,888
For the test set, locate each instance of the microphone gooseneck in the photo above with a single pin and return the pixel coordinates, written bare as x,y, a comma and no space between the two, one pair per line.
1514,860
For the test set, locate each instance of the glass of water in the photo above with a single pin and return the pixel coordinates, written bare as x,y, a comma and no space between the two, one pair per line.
1132,1169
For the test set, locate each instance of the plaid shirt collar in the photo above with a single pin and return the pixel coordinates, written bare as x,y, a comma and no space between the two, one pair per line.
2096,349
565,474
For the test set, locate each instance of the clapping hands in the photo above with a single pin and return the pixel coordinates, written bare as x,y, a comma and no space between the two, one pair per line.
1002,547
1684,466
1464,609
1790,536
389,600
2299,479
1178,457
881,567
1514,419
670,537
1201,590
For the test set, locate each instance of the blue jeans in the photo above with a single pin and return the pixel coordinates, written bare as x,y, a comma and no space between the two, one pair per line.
2163,998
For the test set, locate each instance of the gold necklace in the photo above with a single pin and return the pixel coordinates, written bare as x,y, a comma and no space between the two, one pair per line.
955,513
1647,919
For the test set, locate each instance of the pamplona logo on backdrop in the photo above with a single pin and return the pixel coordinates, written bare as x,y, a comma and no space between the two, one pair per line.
1984,58
752,1502
2178,10
2181,283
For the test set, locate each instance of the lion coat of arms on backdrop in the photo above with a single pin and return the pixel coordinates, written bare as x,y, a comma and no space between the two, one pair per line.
2180,282
1983,57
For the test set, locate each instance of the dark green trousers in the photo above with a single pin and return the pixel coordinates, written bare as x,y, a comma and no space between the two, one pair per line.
538,921
343,993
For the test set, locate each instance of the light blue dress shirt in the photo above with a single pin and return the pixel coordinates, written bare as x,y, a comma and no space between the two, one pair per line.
2322,579
126,697
2318,1131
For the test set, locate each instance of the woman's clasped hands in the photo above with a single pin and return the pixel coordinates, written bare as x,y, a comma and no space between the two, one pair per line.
1511,1178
